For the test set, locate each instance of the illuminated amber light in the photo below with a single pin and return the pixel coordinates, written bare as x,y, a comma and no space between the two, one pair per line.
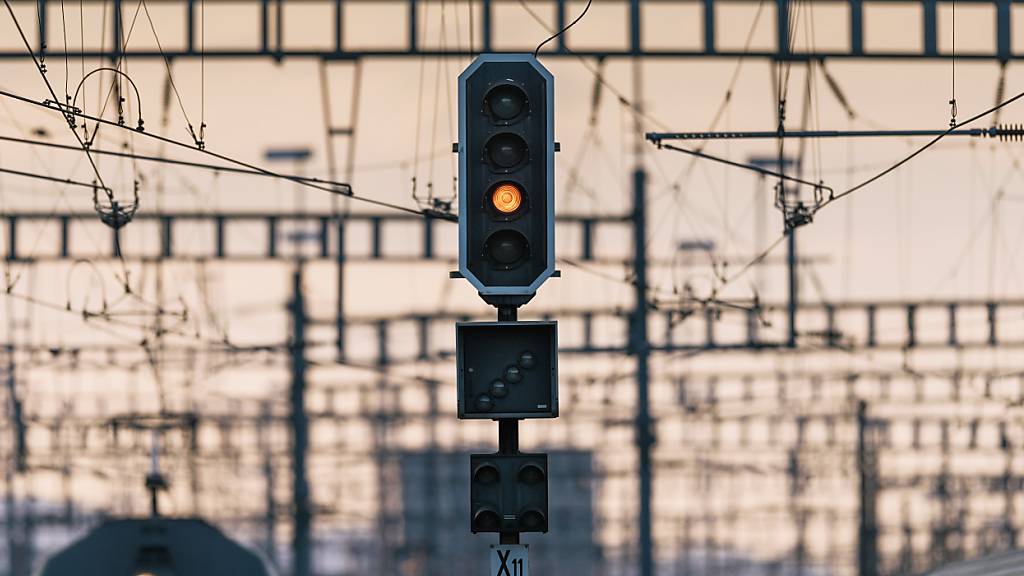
507,198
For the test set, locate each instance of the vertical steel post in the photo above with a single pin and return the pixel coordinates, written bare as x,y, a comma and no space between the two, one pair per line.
508,443
384,411
1004,30
265,27
508,430
12,238
1009,505
117,31
301,545
190,26
434,556
278,29
857,27
339,311
929,13
339,26
413,22
794,282
867,540
13,548
560,23
270,518
639,344
41,17
487,23
709,26
782,24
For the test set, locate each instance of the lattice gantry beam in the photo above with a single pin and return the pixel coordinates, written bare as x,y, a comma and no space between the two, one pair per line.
682,327
269,24
847,327
264,236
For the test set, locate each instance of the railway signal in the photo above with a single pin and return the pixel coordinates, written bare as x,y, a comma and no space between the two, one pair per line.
506,177
509,492
507,370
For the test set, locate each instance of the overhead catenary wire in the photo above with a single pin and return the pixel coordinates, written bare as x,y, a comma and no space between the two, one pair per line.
832,197
920,150
165,160
1011,132
67,114
345,190
626,102
622,98
198,138
751,167
67,181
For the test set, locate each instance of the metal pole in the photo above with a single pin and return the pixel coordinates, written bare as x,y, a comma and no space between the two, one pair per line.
13,554
508,430
385,411
641,348
508,443
434,555
638,336
783,194
301,554
270,518
760,231
868,531
794,285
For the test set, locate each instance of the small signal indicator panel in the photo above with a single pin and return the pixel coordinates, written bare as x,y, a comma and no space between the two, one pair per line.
507,369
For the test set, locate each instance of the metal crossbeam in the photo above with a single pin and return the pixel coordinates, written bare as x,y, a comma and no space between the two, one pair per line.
208,236
831,327
896,433
269,25
840,326
993,132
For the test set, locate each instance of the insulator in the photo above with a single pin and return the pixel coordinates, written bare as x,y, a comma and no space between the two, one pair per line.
1008,132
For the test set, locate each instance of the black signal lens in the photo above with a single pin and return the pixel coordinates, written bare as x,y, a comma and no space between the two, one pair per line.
506,102
506,151
484,403
506,247
486,520
532,520
513,374
486,474
499,389
531,474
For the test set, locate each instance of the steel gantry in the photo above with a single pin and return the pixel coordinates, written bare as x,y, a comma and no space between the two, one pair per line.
269,19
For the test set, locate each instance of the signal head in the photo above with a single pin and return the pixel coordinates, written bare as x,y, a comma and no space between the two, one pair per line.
506,177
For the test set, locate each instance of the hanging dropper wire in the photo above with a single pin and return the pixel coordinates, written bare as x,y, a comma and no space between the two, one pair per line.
563,30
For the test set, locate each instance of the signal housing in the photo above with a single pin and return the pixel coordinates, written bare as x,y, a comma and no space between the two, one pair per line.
506,138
